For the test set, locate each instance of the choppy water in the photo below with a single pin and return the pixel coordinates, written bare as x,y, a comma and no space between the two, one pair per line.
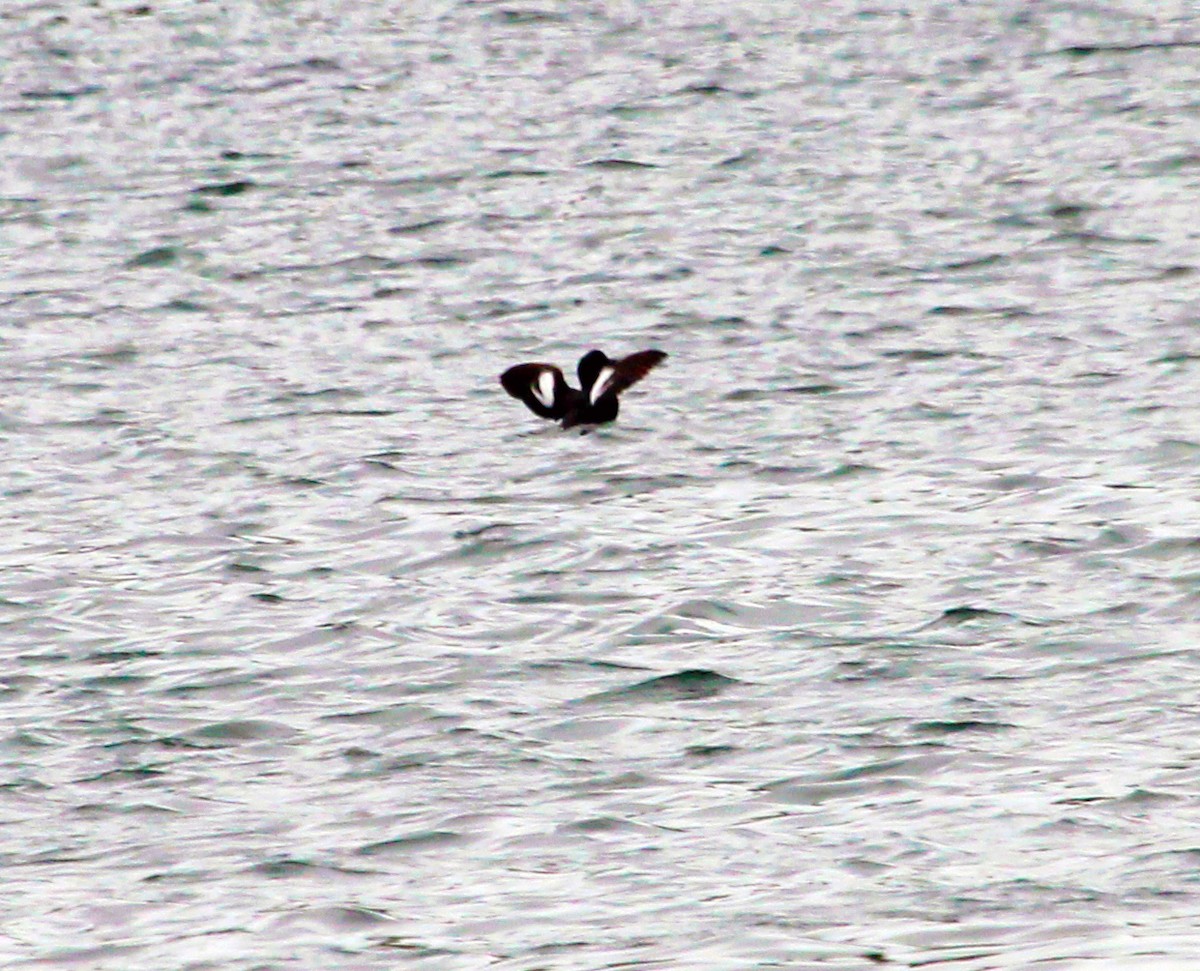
867,638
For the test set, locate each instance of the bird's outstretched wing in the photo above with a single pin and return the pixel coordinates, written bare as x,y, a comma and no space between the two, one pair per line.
619,375
541,386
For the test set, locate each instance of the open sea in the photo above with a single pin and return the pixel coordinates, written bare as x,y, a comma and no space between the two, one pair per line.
867,638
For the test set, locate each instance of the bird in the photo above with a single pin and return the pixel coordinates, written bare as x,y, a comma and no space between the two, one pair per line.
546,393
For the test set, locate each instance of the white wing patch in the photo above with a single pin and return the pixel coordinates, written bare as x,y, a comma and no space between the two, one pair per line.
602,380
543,389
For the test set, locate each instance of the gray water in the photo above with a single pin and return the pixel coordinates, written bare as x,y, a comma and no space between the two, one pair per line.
866,638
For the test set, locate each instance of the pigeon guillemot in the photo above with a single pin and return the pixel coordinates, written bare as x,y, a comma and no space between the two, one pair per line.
546,393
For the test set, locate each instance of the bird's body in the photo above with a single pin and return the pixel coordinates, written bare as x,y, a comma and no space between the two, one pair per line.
546,393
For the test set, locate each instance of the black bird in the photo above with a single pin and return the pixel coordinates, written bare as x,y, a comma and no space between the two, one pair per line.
546,393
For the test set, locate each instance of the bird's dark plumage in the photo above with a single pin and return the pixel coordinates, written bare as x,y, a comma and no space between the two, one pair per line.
546,393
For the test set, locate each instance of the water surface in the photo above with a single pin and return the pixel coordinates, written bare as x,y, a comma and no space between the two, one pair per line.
866,638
